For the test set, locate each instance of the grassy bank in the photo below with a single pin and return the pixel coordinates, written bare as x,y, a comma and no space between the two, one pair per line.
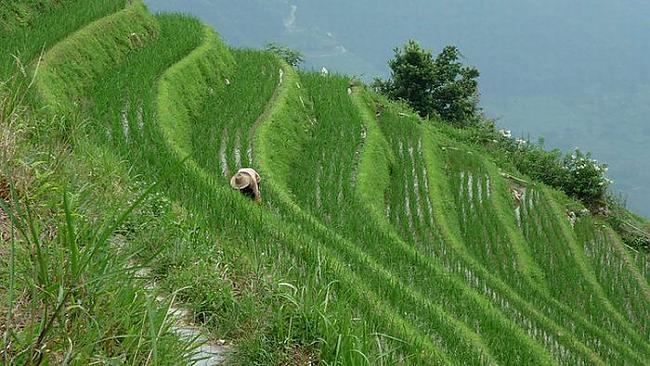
382,238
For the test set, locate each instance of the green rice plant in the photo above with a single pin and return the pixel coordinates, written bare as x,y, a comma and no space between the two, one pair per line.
444,252
207,65
556,333
134,83
302,246
22,13
336,197
424,206
42,25
560,349
454,266
510,216
642,261
530,206
401,125
624,286
71,65
591,336
583,346
507,221
630,257
552,311
535,227
123,99
480,219
547,205
286,132
257,229
364,251
237,110
291,84
162,161
233,111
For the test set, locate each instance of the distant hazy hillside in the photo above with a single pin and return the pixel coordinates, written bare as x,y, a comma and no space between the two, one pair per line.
574,72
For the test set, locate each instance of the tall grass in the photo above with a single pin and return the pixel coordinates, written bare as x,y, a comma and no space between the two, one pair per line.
73,297
372,245
436,241
616,274
43,26
590,335
71,65
547,231
222,133
68,294
348,251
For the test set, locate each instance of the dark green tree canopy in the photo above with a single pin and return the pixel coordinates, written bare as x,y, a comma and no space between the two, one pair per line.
442,86
291,56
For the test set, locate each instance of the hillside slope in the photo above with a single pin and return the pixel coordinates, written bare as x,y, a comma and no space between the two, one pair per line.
381,239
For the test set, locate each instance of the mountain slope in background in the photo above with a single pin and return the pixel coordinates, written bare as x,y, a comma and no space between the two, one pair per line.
576,74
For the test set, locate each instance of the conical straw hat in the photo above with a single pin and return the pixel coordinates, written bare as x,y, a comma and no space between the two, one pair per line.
240,180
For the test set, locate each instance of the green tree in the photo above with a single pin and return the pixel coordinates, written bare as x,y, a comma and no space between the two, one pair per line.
291,56
433,86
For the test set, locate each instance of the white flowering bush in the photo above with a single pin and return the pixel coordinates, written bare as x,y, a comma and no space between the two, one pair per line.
586,178
576,174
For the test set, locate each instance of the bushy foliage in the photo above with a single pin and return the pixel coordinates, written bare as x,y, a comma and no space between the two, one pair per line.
433,86
585,178
291,56
444,87
576,174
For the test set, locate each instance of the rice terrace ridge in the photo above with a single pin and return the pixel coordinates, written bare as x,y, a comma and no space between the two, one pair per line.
383,237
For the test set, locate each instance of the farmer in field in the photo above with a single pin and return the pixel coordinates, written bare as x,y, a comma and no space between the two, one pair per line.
247,181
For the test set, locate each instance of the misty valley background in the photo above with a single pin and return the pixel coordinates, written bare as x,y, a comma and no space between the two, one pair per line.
575,73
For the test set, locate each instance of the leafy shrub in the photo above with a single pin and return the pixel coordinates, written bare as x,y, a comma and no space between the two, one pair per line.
586,178
291,56
440,86
537,163
576,174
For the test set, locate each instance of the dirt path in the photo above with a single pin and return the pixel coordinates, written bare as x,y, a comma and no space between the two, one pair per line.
208,352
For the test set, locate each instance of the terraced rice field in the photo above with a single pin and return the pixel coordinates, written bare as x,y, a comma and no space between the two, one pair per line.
380,239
